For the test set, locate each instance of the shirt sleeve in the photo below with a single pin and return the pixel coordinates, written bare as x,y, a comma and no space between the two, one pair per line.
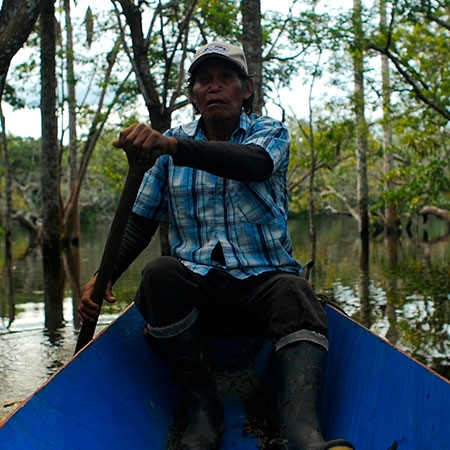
228,160
272,136
151,201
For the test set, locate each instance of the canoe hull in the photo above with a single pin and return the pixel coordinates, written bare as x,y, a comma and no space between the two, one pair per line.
117,394
378,397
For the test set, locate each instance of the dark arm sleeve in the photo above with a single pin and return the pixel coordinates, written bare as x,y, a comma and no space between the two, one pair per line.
238,162
138,234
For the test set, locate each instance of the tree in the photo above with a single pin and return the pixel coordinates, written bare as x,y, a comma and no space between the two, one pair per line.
362,185
412,37
50,174
417,33
16,21
358,50
172,36
156,42
71,216
252,45
390,208
72,219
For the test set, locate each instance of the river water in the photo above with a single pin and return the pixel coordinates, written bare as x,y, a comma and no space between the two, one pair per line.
403,296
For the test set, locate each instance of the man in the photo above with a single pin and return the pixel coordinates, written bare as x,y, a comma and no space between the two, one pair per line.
222,181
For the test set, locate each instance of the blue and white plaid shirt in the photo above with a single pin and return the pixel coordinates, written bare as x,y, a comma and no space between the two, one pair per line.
249,219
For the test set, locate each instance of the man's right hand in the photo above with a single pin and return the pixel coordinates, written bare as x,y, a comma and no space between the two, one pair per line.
144,144
89,310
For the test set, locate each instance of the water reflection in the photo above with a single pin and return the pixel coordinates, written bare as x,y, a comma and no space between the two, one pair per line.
404,284
402,292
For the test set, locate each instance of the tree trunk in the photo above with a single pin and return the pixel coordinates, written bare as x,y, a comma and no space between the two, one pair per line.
390,208
361,162
392,288
388,160
252,45
17,19
7,284
440,213
71,97
50,175
313,163
364,282
160,115
361,125
71,220
72,241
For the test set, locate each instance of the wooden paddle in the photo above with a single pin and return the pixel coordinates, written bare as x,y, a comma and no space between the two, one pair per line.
136,171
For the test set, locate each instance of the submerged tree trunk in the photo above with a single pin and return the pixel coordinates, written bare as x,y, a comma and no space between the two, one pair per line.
361,162
50,174
390,207
388,158
71,219
72,242
7,281
392,333
17,19
361,124
313,163
364,282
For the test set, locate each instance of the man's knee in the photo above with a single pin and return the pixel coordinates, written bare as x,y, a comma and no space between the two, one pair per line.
160,270
296,290
298,307
167,293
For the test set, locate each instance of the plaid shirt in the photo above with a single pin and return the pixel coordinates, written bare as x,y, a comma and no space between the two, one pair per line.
249,219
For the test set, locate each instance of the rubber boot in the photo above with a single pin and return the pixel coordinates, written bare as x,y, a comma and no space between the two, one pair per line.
183,354
205,412
301,367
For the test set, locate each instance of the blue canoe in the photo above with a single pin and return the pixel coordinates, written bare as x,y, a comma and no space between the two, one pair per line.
116,394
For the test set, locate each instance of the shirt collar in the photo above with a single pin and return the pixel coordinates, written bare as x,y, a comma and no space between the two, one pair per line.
242,127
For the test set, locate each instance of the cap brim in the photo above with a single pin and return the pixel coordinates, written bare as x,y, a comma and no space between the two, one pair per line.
207,56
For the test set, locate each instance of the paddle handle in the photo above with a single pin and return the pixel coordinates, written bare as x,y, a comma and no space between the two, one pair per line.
126,201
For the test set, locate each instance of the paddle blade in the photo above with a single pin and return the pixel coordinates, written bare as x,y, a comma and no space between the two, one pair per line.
86,334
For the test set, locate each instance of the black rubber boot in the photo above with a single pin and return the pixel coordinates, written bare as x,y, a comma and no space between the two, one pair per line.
301,367
205,412
183,353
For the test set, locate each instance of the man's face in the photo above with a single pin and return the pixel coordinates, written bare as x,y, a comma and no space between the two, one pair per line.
218,91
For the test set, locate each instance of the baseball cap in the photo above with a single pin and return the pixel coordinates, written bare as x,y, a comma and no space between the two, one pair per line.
218,49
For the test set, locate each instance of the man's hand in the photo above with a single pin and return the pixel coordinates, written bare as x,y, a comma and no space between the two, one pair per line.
143,144
89,310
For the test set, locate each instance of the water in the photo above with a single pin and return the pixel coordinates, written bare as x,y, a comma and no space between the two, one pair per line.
408,300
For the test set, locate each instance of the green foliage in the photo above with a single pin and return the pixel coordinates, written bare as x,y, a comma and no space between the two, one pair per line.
10,97
420,178
418,39
24,155
334,163
220,17
104,181
308,44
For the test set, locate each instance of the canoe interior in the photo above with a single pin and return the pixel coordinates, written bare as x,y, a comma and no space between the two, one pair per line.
117,394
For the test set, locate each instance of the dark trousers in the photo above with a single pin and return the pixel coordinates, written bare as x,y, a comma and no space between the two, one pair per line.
274,304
